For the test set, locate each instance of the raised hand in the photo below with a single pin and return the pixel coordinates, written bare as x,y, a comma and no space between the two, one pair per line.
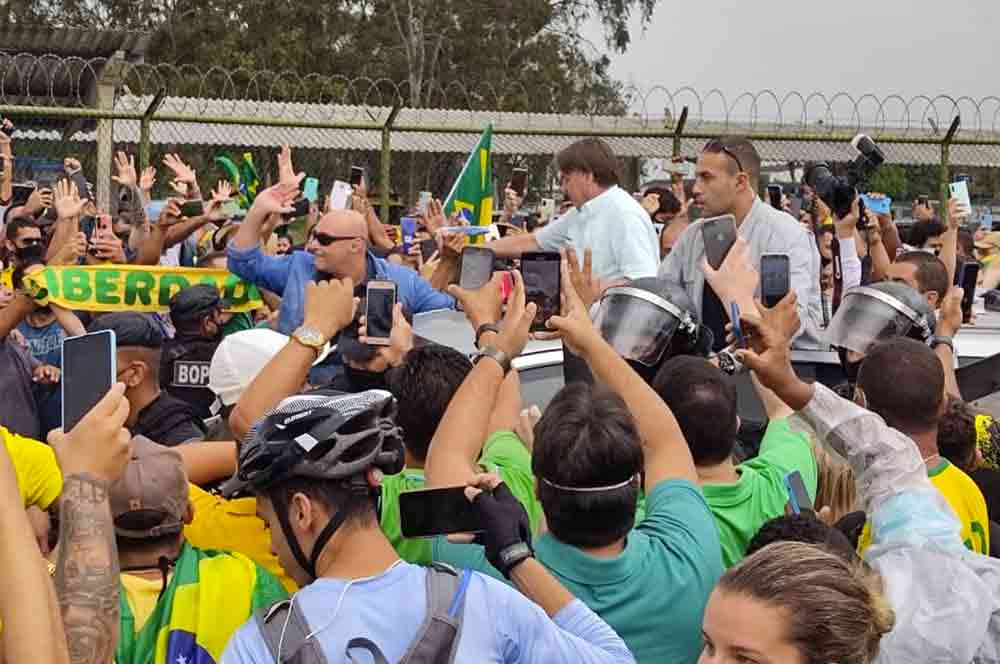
67,200
481,306
573,325
148,179
400,342
584,283
125,165
330,306
434,219
182,172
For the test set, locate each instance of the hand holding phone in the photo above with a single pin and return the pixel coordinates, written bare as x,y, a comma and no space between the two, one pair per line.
477,267
408,229
310,189
192,209
434,512
719,235
774,279
357,176
542,275
379,303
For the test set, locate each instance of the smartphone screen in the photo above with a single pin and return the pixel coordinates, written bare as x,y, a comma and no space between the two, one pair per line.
21,194
774,195
300,208
970,275
428,248
423,201
88,372
380,299
310,189
191,209
542,285
357,175
774,279
719,234
797,494
408,228
437,512
477,267
519,181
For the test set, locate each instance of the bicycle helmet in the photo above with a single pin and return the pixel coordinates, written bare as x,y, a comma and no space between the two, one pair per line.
323,435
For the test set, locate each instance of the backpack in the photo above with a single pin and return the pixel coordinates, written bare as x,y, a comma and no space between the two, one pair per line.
436,641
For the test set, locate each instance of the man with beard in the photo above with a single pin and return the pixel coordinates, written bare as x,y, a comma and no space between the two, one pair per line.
196,313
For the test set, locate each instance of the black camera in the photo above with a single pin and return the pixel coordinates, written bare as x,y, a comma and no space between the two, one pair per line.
839,191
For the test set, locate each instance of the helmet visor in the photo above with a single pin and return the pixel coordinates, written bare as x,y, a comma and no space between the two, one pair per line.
867,316
637,324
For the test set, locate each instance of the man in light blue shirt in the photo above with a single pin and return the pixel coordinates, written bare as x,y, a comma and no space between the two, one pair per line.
605,218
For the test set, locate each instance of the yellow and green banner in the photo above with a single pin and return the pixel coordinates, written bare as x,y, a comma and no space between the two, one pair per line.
145,288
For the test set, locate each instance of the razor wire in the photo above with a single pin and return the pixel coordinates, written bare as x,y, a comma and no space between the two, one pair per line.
55,81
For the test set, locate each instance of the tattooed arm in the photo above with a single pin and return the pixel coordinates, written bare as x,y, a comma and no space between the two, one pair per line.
92,456
32,632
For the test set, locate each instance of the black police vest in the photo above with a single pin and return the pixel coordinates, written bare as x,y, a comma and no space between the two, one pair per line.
184,368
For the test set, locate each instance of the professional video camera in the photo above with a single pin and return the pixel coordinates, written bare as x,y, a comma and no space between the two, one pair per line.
839,191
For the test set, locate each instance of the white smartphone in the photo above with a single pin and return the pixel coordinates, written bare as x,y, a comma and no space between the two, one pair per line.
339,195
960,190
423,202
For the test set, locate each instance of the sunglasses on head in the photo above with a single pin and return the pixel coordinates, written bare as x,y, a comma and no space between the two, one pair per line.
716,146
326,240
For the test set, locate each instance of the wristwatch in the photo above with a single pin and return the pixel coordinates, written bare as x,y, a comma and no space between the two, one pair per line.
496,355
728,364
484,328
939,341
310,337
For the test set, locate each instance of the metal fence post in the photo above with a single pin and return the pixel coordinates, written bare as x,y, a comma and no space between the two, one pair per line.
385,166
679,130
147,118
944,176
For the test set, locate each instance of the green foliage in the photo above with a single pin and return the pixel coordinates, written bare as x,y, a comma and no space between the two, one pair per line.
891,180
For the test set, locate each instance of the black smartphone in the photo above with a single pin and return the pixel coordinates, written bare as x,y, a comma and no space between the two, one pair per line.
82,187
300,208
21,194
88,372
191,209
437,512
477,267
542,285
774,194
519,181
719,234
970,275
380,299
774,278
357,175
428,248
797,494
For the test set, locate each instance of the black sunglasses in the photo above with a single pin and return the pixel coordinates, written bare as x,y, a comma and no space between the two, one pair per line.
326,240
716,146
31,241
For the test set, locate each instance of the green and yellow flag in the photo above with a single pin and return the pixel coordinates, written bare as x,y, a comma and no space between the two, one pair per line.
472,193
210,595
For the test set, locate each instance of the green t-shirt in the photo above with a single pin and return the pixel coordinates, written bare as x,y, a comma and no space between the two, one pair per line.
740,509
504,454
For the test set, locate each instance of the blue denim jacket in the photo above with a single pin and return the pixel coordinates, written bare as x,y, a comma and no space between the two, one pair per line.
287,276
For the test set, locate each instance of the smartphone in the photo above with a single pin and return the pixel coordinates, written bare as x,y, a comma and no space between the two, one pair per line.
339,195
21,193
408,228
428,248
422,202
88,372
310,189
548,208
798,497
357,176
82,187
542,285
437,512
192,209
734,315
477,267
719,234
881,205
960,190
774,278
380,299
970,275
774,194
300,208
519,181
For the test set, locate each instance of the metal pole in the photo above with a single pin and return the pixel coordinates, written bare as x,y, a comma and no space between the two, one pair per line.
385,167
147,118
679,130
944,176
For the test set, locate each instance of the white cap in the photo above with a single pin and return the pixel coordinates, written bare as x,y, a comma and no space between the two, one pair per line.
241,356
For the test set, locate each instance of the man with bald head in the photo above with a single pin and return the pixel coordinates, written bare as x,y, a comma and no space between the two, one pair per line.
337,248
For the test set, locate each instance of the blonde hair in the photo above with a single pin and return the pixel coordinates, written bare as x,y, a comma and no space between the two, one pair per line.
835,487
835,610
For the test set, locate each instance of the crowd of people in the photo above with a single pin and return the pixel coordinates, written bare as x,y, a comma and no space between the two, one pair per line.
236,496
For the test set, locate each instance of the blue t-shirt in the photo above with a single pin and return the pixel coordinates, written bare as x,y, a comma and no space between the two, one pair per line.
44,343
498,625
654,593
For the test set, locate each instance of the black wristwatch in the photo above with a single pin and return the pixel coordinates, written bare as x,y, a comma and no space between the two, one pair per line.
514,555
496,355
942,341
483,329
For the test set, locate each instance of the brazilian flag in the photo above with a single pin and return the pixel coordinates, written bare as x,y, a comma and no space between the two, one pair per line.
210,595
472,193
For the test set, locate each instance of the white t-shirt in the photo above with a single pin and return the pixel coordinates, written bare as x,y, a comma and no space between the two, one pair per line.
615,228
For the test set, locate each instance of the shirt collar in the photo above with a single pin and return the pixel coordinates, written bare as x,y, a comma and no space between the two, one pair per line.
598,201
571,563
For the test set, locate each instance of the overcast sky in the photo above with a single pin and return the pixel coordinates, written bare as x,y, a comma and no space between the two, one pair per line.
858,46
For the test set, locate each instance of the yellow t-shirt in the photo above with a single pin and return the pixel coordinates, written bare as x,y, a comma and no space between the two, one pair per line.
38,476
233,525
142,595
965,498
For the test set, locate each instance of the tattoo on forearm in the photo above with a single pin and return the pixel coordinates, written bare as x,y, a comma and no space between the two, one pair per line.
87,579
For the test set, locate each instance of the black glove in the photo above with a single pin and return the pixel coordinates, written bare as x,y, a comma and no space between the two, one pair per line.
506,531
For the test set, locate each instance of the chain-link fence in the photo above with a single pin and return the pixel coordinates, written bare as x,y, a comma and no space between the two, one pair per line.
91,107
